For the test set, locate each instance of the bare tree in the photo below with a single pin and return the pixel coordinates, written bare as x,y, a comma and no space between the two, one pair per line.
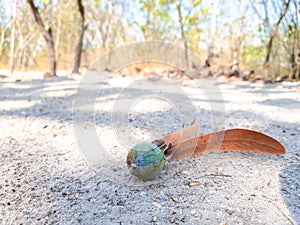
180,18
13,39
274,31
294,35
80,39
2,38
48,36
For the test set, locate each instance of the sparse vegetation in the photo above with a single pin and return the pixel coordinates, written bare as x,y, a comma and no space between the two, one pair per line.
254,35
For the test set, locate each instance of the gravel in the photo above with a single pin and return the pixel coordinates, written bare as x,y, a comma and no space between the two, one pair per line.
44,178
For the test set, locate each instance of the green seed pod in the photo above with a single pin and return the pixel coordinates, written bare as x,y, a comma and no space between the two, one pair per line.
145,161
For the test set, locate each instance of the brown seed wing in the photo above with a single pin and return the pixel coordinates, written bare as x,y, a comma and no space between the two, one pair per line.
228,140
182,135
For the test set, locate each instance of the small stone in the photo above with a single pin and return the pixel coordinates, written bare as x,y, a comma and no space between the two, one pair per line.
77,196
183,219
19,150
156,205
185,172
154,218
174,199
194,183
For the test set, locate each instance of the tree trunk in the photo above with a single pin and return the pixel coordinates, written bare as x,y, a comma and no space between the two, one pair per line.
182,32
274,33
58,37
2,40
12,40
80,39
295,51
48,36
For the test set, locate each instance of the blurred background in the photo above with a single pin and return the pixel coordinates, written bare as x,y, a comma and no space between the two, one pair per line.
246,37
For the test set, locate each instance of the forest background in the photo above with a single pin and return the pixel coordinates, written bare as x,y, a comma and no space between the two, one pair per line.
260,38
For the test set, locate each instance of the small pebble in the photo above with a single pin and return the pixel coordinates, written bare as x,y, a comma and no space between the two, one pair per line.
194,183
154,218
156,205
175,199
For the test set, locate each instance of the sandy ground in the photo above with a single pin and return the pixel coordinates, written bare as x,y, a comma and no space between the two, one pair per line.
45,179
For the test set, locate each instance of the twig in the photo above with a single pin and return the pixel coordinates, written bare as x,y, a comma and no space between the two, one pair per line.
216,175
286,216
